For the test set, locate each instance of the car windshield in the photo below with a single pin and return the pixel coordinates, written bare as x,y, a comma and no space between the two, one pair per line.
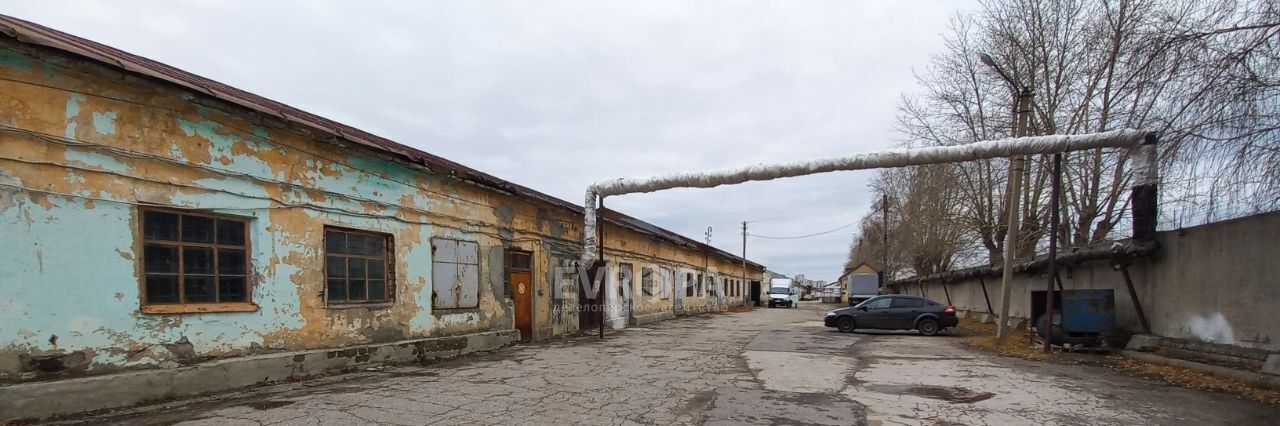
779,290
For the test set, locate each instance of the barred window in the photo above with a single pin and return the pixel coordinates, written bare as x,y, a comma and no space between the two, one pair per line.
191,258
357,266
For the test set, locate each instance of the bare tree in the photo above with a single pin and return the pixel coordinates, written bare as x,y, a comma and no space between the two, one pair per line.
1201,73
924,232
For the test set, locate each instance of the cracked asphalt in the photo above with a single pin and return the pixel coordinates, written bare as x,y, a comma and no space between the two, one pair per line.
765,367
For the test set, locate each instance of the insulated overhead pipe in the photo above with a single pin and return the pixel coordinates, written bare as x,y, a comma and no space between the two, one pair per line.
1142,152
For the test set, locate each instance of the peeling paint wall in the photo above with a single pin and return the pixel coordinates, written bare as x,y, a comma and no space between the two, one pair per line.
85,145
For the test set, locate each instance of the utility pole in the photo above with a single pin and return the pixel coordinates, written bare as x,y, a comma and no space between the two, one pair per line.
1016,165
1022,122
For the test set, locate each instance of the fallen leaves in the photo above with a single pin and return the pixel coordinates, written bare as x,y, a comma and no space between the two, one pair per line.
1191,379
983,336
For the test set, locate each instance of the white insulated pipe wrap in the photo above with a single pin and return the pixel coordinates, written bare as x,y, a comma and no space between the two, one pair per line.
1144,166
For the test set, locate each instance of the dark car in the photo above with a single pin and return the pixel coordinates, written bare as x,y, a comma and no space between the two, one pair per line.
894,312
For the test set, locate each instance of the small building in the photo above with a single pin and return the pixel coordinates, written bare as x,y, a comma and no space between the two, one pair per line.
859,283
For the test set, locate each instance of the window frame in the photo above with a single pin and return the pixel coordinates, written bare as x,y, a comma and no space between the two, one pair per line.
388,268
646,282
509,253
146,307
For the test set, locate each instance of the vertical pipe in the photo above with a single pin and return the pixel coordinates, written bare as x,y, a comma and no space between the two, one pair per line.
884,237
1054,220
600,269
1145,213
1144,196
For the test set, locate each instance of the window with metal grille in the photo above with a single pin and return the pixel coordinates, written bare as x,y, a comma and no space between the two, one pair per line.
358,266
194,258
455,273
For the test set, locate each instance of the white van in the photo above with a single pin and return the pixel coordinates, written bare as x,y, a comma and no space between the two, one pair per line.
781,293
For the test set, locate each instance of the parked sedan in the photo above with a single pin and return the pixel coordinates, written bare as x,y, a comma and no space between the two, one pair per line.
894,312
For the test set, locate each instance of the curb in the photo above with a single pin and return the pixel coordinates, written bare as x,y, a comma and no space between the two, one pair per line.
1261,380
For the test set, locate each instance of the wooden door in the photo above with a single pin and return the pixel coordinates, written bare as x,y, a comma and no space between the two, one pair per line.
522,294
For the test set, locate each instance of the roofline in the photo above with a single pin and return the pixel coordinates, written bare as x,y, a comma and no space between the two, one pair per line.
32,33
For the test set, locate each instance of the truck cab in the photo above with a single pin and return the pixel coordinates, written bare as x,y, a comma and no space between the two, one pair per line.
781,293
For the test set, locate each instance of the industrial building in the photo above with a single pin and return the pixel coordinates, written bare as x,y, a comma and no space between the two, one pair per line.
153,220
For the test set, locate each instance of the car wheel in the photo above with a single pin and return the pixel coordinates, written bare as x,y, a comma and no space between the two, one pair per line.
928,326
845,324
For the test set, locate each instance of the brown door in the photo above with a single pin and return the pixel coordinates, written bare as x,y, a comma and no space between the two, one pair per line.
522,292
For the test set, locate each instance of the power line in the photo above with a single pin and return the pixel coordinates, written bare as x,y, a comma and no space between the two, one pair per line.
806,236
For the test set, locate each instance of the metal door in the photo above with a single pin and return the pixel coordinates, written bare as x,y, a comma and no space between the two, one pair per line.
522,294
591,306
755,293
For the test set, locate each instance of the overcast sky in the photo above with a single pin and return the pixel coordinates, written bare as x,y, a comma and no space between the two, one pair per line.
556,95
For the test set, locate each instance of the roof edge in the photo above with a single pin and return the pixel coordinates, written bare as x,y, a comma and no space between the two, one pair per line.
32,33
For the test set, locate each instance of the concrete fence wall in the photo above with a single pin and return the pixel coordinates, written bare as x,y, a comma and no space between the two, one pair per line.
1217,283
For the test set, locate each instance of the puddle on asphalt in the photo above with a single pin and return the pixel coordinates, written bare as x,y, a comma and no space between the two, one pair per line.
267,405
950,394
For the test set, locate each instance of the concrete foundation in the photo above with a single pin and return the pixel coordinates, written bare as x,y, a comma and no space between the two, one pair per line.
1144,343
44,399
652,318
